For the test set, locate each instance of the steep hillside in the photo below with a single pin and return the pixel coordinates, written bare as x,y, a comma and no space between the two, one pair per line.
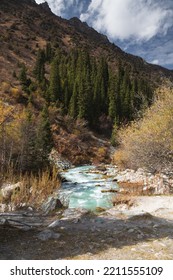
26,26
74,73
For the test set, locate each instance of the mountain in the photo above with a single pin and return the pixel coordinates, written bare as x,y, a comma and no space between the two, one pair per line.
27,26
64,78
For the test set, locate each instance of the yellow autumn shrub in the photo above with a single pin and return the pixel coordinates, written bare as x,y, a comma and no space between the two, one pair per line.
148,143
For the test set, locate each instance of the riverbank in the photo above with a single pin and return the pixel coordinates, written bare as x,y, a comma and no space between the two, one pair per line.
144,231
87,187
137,227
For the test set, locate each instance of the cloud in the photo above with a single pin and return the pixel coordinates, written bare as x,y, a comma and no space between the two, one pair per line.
135,19
157,50
155,61
140,27
65,8
162,53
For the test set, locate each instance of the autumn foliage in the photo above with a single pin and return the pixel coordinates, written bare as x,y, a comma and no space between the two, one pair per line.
148,143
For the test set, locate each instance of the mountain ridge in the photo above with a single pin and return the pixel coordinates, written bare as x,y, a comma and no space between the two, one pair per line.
38,20
74,75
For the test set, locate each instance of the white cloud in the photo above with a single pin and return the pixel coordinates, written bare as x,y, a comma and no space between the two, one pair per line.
155,61
59,7
141,27
39,1
125,19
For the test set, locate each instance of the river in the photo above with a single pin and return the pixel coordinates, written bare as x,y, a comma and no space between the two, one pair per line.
85,188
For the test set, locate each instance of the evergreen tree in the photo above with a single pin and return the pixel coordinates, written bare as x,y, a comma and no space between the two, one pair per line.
54,90
73,106
25,82
114,140
67,95
39,70
49,52
101,89
112,97
22,75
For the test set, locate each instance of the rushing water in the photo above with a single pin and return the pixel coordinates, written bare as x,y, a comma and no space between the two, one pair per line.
83,189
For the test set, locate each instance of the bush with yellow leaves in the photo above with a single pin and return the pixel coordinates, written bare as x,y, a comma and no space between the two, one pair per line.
148,143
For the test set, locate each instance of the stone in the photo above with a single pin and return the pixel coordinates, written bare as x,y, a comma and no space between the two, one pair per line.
77,220
115,179
51,204
4,222
48,234
54,224
74,213
30,209
58,161
8,189
141,216
131,230
101,168
4,207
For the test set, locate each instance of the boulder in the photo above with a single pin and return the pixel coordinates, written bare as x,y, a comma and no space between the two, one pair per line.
53,203
60,163
4,222
48,234
8,189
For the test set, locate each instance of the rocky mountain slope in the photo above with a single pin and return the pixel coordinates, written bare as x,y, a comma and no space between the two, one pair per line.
26,26
26,29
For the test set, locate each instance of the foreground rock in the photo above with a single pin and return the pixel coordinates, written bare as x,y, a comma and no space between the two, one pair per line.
142,232
52,204
8,189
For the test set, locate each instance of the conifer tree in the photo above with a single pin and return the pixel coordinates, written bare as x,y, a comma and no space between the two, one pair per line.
25,82
54,90
112,98
48,52
39,70
73,106
22,75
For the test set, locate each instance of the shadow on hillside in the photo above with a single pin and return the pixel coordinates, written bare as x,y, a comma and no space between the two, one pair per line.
87,235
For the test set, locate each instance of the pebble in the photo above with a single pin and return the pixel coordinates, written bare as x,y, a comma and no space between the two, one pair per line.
131,230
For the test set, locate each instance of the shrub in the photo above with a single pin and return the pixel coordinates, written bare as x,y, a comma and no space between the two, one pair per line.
35,189
148,143
122,199
5,87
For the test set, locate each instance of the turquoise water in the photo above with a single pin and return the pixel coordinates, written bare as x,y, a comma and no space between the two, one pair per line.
83,189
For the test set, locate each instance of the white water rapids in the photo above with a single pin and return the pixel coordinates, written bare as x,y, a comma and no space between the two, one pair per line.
83,189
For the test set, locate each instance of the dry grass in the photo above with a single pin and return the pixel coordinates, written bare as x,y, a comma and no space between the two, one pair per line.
122,199
131,188
128,191
34,189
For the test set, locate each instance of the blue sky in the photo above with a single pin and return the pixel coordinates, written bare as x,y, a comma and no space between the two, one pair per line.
140,27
